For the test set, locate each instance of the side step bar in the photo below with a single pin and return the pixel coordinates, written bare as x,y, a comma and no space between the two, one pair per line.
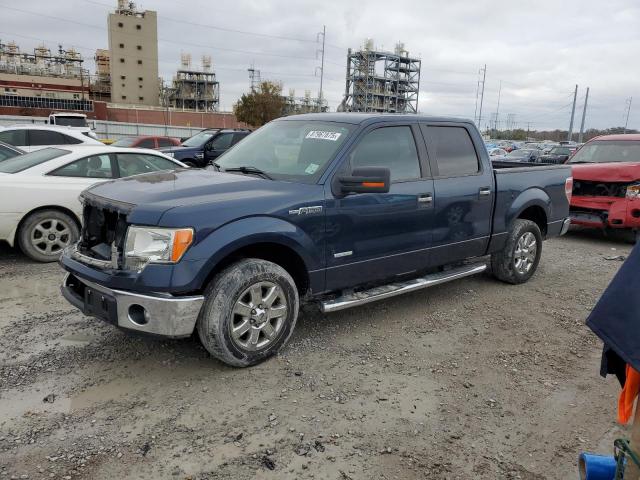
393,289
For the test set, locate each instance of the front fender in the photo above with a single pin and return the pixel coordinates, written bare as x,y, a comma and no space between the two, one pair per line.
218,244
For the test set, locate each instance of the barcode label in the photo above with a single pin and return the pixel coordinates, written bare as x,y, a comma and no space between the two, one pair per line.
320,135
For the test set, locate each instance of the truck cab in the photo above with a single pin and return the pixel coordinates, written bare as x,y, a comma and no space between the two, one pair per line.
333,209
76,121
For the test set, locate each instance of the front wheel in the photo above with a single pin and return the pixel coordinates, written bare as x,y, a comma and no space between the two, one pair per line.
519,259
249,313
44,234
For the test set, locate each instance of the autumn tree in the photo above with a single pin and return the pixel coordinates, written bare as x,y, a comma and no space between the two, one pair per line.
261,105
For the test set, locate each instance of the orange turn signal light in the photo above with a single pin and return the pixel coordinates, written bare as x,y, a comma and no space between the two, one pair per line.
373,184
181,241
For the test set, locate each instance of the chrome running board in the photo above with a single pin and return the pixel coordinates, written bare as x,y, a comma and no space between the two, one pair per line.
356,299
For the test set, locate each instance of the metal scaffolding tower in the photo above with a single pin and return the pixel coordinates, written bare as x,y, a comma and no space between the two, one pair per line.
195,89
379,81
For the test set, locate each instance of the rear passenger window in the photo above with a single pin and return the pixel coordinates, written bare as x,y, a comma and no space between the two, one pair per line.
454,151
146,143
165,142
71,140
390,147
45,137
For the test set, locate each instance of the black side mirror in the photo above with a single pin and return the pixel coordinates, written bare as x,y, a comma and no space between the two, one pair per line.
364,180
208,147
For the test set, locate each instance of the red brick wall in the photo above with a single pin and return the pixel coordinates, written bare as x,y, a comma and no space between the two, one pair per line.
102,111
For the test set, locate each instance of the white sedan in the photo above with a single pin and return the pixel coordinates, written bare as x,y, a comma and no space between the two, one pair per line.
39,206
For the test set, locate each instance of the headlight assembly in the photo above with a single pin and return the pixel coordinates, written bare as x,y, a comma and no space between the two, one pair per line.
155,245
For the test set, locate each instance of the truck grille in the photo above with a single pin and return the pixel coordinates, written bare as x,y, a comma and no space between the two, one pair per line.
599,189
104,228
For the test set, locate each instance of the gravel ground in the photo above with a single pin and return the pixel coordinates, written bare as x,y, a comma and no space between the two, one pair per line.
473,379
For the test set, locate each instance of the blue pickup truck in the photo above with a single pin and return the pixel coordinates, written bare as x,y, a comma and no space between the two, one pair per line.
338,209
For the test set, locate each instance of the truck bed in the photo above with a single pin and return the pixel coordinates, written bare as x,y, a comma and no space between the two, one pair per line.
524,166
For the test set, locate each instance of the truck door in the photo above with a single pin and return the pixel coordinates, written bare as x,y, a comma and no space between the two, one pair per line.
375,236
463,193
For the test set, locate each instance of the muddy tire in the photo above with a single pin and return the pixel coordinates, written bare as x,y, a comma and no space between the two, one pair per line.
44,234
519,259
249,312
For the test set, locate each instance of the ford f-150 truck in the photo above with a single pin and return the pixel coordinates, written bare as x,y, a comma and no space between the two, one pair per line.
339,209
606,190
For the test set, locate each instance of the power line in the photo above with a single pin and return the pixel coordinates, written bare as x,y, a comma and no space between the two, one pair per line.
216,27
160,39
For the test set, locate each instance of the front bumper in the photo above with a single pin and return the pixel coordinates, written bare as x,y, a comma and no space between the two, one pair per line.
154,313
605,212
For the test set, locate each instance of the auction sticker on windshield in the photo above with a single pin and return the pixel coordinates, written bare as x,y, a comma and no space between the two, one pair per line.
320,135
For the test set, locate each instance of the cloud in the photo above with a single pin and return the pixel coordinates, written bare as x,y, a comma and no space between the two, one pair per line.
539,50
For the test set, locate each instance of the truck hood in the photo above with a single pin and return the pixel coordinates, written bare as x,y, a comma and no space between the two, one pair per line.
175,195
606,172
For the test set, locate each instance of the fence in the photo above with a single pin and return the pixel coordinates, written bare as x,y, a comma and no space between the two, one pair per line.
112,130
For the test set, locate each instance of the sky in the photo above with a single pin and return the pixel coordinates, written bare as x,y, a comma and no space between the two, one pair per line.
537,51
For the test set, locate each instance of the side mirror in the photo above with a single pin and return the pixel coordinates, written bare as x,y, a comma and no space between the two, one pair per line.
209,147
365,180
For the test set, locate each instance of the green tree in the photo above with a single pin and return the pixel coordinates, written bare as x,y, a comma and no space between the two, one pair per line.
261,105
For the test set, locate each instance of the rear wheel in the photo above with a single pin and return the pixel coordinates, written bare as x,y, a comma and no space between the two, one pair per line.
249,313
519,259
44,234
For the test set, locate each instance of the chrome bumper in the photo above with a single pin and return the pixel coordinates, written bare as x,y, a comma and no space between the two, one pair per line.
155,313
565,226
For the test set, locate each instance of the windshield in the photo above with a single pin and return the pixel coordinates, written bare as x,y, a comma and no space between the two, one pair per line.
71,121
608,151
199,139
519,153
28,160
124,142
290,150
560,151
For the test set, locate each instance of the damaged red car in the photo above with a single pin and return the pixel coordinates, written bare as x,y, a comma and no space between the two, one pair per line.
606,183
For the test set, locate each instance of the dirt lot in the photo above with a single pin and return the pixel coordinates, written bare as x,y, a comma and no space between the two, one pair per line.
474,379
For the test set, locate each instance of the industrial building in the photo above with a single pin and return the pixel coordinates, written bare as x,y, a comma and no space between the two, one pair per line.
133,63
194,89
101,82
307,104
379,81
42,79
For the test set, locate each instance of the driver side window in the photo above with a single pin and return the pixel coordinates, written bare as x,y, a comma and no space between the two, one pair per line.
222,142
390,147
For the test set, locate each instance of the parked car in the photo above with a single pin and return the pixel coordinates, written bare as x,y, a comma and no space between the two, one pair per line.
34,137
341,209
9,151
606,190
146,141
559,154
40,210
497,152
531,155
206,146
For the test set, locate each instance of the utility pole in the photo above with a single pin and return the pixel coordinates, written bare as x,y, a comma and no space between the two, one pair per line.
254,77
475,111
498,107
324,34
584,114
626,122
484,77
573,112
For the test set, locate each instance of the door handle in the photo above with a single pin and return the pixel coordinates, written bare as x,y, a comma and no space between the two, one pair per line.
485,191
425,198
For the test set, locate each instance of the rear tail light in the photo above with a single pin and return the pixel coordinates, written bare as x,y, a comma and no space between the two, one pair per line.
568,188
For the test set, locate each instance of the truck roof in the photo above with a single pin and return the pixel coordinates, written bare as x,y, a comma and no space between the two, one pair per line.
359,118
